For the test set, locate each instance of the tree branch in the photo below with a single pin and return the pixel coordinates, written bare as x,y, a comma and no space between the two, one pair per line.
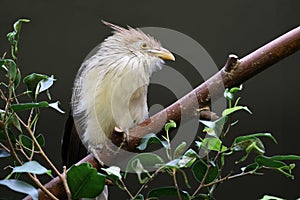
235,72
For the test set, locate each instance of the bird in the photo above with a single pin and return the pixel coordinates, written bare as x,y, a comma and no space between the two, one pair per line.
110,89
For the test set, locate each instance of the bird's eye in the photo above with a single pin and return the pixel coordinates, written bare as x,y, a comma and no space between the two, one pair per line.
144,45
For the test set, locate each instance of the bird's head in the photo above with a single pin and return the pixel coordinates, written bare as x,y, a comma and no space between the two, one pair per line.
134,44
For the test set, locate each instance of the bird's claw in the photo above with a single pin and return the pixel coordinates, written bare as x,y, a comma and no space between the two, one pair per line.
125,135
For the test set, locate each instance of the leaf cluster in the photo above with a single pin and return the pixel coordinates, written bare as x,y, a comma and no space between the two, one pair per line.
18,138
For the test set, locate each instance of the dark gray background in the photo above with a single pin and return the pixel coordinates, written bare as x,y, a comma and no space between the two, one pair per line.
62,33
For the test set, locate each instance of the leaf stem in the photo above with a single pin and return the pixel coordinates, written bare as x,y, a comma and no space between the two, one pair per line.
176,184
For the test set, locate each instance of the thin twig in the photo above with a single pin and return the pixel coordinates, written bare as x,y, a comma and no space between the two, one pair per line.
204,177
176,184
30,116
228,178
46,157
12,150
16,157
4,147
3,97
41,151
126,189
42,187
66,184
23,152
148,180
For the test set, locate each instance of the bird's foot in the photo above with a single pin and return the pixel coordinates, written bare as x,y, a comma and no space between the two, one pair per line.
125,136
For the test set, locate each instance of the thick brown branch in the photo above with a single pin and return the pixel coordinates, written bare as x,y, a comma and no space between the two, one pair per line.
232,74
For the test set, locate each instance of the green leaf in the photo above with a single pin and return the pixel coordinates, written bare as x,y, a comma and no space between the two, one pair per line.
44,84
27,142
138,167
2,66
285,157
143,163
268,162
217,124
210,132
170,124
17,78
179,150
13,37
229,111
149,161
253,136
236,89
13,120
265,161
268,197
41,140
188,158
18,24
28,106
167,191
139,197
150,139
32,81
55,106
4,153
185,178
250,167
212,144
113,170
10,134
229,93
251,145
237,101
84,181
216,127
184,161
191,153
31,167
20,186
42,104
203,197
12,69
199,169
172,164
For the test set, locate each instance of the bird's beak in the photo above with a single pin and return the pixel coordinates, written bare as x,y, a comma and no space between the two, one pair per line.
163,54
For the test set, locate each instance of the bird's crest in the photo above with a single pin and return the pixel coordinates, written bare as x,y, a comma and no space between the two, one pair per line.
113,26
131,32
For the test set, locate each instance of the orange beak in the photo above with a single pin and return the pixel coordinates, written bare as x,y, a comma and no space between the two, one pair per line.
163,54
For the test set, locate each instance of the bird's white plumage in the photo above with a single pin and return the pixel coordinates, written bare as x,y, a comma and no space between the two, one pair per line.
111,87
